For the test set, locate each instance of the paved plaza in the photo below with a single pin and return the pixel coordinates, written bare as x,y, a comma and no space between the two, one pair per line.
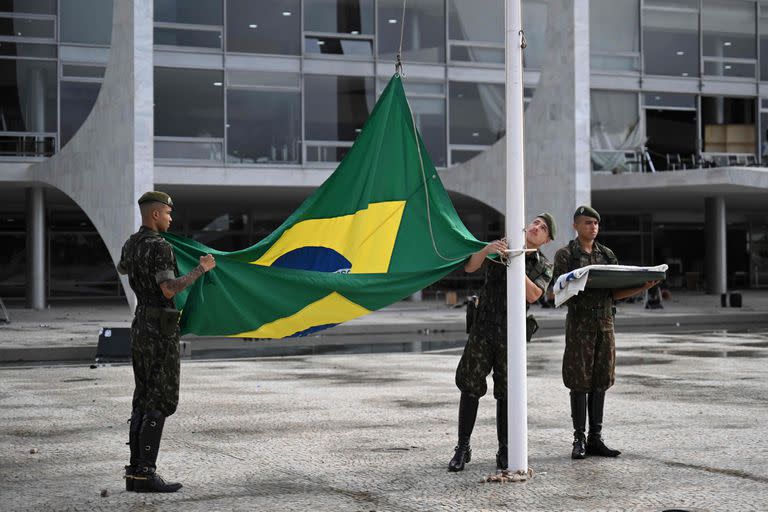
375,432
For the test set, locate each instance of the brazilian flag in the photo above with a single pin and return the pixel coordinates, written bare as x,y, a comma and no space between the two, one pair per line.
380,228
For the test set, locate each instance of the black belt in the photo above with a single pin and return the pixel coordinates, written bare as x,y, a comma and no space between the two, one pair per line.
597,312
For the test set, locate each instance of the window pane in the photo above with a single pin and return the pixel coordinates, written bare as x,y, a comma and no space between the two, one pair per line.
29,6
429,114
479,20
76,70
262,79
615,29
336,106
726,68
341,16
186,37
728,29
535,23
338,46
614,116
77,100
671,38
189,150
728,124
263,126
86,21
189,102
477,54
27,96
424,34
264,27
195,12
477,113
27,27
660,99
28,50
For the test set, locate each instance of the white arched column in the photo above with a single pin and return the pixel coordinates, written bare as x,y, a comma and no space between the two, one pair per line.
557,151
109,162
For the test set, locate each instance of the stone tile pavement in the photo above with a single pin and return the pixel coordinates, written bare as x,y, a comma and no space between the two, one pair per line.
375,432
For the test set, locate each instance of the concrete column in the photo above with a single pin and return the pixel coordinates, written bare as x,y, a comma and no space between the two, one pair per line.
36,237
109,162
558,174
558,171
715,228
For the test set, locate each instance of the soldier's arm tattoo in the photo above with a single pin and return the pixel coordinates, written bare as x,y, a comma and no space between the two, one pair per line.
173,286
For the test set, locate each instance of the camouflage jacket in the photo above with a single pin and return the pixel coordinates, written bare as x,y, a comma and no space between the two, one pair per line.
492,306
572,257
148,260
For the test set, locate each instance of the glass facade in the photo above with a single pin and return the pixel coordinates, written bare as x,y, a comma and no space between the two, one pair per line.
336,107
423,35
263,118
728,35
671,37
477,118
290,71
77,100
614,37
476,31
272,27
86,22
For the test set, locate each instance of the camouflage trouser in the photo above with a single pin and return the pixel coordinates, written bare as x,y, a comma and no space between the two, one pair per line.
482,354
156,367
589,361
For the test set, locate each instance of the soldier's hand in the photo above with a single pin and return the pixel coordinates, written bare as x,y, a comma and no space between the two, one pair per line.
207,262
497,246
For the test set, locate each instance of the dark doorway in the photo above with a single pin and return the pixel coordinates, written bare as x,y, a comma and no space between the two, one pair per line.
671,137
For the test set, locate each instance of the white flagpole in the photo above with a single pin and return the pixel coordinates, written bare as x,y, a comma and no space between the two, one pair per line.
517,392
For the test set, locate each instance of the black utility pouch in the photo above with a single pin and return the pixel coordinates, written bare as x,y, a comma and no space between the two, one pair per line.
531,326
169,321
471,311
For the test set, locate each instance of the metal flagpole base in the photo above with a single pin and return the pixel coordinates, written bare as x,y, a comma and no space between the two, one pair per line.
505,476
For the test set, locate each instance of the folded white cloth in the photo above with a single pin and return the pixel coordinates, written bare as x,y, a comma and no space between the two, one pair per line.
573,282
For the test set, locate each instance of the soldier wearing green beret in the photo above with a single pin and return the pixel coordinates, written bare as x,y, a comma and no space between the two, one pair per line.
589,362
148,261
486,349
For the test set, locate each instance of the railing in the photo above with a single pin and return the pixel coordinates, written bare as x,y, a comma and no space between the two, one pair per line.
27,144
622,160
209,149
331,151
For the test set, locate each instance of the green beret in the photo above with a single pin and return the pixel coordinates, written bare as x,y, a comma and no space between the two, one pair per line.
586,211
550,222
154,196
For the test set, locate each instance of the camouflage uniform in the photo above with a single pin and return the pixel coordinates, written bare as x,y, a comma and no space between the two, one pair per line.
148,260
486,349
590,347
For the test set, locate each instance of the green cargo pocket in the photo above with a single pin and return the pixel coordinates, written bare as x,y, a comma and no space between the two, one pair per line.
169,321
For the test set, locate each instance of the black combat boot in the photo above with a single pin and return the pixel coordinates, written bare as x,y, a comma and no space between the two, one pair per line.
145,479
595,445
501,433
133,443
467,415
579,417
